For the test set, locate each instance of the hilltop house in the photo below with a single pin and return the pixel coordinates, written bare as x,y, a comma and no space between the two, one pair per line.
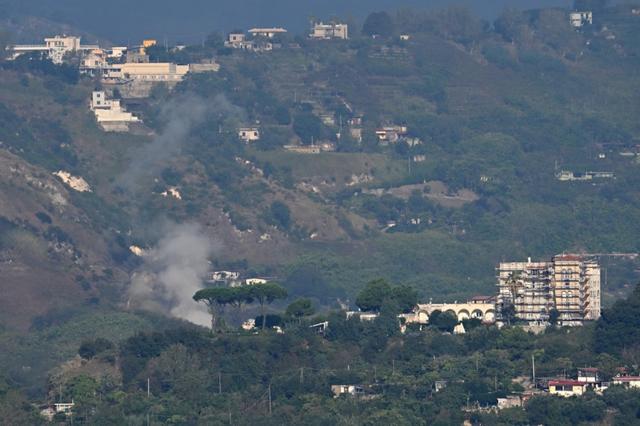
627,381
224,277
579,19
267,32
94,60
567,387
55,48
321,31
357,391
390,134
110,114
362,316
588,375
249,134
235,39
260,40
117,52
148,72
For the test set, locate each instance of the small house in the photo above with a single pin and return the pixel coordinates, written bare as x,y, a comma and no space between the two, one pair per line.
357,391
579,19
390,134
267,32
627,381
249,134
333,30
362,316
567,388
588,375
510,401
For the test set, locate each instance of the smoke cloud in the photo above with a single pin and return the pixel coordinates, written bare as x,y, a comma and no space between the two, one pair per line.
172,272
180,114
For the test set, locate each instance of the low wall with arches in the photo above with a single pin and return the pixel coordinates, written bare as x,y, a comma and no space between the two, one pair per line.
485,312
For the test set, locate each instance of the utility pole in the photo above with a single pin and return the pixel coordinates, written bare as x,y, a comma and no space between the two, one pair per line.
269,398
533,369
148,388
301,375
219,383
393,367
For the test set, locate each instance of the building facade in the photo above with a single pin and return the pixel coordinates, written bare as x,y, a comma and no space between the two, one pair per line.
249,134
568,284
479,307
579,19
54,47
321,31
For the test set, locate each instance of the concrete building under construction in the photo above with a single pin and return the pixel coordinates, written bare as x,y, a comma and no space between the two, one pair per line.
531,291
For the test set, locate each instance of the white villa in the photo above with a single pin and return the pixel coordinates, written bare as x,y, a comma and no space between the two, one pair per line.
110,114
54,47
321,31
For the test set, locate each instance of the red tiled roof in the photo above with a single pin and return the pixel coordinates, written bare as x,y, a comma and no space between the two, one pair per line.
589,369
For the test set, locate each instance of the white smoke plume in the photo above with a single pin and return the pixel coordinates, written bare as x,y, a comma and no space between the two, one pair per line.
181,114
172,272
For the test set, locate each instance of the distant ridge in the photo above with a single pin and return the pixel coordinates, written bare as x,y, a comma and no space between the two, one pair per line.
190,20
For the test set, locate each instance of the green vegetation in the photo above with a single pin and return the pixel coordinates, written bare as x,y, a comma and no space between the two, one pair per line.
270,378
379,295
493,112
217,298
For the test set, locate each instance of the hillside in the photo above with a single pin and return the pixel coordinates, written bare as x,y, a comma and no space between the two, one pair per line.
500,110
189,22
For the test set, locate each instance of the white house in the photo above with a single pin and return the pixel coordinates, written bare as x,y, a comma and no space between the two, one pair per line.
55,47
627,381
235,40
117,52
390,134
362,316
249,134
225,276
255,281
579,19
148,72
348,390
588,375
321,31
267,32
110,114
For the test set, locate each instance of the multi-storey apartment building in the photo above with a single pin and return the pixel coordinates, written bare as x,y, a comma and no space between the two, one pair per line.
531,291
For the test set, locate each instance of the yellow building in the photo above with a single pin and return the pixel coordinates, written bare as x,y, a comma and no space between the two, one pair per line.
147,43
627,381
150,72
567,388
